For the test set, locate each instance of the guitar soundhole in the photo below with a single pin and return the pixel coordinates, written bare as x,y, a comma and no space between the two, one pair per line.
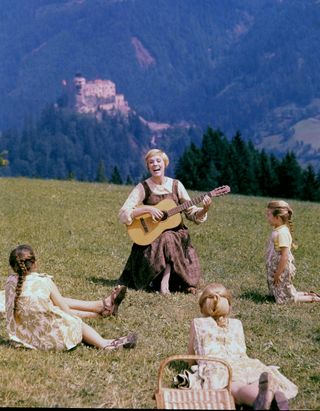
144,225
165,215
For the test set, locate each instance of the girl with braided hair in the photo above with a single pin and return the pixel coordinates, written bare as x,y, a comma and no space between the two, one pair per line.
38,317
279,259
217,335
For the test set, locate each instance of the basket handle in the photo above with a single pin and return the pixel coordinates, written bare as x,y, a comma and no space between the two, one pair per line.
185,357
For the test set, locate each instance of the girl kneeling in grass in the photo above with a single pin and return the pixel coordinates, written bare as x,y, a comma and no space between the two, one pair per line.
279,259
38,317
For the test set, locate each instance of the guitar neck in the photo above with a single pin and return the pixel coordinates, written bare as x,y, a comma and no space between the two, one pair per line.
187,204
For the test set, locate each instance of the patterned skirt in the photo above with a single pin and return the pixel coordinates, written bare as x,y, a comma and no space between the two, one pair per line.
245,371
146,264
285,292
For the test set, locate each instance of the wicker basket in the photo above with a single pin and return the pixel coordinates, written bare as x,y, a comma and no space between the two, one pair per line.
210,399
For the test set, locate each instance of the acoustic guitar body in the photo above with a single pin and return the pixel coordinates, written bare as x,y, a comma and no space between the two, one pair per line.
144,230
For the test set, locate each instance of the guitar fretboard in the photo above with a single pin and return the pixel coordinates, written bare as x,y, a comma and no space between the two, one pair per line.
198,199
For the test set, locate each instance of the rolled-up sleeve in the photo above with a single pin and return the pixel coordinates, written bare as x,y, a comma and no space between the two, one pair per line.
190,212
134,199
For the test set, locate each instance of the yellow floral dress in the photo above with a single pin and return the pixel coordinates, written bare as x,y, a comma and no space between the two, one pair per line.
40,324
227,343
284,292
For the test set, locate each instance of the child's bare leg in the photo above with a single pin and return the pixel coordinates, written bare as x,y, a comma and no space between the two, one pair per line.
82,305
107,306
258,395
164,287
85,314
305,297
92,337
245,394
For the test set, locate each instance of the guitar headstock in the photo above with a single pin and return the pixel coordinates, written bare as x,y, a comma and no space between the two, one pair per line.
219,191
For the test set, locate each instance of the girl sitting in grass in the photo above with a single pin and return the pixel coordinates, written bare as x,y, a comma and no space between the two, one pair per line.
38,317
215,334
279,259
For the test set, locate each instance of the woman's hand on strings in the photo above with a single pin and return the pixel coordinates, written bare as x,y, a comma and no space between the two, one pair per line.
155,213
206,202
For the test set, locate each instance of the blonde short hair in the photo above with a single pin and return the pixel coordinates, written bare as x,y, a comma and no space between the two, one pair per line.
157,152
215,302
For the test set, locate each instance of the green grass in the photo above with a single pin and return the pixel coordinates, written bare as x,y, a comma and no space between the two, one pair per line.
75,232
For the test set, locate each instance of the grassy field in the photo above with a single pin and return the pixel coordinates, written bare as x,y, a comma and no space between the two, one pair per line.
75,232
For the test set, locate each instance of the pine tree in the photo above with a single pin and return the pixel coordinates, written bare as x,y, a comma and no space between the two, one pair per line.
242,162
187,169
267,177
101,175
129,181
115,176
213,153
290,177
310,185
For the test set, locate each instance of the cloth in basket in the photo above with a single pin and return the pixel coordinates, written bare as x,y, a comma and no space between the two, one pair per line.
186,398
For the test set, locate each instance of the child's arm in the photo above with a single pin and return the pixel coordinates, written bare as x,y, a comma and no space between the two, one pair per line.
282,264
191,343
58,300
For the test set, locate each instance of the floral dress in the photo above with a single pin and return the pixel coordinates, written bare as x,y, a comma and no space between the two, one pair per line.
285,291
40,324
227,343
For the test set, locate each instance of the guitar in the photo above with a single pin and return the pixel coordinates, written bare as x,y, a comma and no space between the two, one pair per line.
143,230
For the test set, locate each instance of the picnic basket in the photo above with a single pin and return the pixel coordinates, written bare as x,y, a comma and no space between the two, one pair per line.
186,398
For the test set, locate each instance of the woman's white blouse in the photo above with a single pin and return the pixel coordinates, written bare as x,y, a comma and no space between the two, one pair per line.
137,196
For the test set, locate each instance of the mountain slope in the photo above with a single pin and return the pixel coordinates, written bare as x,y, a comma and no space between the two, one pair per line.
234,65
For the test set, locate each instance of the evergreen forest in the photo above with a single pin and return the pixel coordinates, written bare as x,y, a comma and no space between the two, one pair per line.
63,144
245,169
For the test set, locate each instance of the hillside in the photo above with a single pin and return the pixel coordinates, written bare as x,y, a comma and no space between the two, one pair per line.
74,230
237,65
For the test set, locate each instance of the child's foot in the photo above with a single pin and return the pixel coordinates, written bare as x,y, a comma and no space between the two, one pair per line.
129,341
164,286
164,291
266,392
111,303
315,296
281,401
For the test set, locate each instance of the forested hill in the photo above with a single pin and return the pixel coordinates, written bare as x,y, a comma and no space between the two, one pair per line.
248,65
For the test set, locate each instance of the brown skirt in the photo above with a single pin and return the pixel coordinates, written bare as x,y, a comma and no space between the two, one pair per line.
146,264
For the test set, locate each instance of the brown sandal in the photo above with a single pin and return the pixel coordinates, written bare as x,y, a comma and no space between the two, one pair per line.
266,392
129,341
117,297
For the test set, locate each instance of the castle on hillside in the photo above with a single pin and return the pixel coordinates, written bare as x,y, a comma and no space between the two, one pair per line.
98,96
95,96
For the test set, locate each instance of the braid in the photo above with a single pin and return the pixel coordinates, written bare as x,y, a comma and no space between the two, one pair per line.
291,228
22,272
21,260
